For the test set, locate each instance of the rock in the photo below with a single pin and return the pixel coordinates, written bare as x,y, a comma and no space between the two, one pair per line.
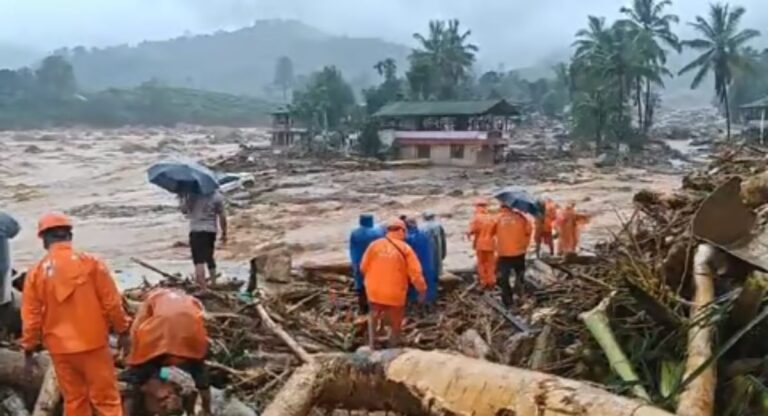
33,149
473,345
275,265
605,160
754,190
456,193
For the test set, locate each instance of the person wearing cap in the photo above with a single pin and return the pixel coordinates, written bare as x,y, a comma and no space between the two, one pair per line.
388,266
481,232
512,232
435,231
69,302
168,335
10,302
359,240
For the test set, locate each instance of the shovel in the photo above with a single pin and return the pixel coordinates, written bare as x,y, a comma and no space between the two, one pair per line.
725,222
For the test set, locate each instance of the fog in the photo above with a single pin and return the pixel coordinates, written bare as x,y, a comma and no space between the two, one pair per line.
510,32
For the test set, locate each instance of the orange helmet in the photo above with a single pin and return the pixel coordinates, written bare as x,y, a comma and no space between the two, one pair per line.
396,224
52,220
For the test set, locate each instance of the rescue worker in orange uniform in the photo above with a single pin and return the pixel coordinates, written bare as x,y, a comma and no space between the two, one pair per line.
388,265
513,236
68,304
169,331
545,226
569,224
481,231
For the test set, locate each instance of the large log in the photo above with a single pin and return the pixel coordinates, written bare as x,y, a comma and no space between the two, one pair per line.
698,398
49,396
431,383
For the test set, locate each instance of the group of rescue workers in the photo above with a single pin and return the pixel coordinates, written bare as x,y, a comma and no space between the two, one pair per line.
69,303
400,262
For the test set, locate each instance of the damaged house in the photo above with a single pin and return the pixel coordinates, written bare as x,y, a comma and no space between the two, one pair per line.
457,133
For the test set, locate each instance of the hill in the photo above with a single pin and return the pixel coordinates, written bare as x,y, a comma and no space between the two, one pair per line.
238,62
144,105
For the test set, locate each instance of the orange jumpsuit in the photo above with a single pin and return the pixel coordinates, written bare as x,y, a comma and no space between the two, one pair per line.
388,265
569,224
169,323
481,231
513,236
68,303
545,226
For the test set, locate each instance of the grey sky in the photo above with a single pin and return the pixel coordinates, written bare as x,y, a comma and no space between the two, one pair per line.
514,31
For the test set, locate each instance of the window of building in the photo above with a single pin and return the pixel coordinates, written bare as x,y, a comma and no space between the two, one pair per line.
423,151
457,151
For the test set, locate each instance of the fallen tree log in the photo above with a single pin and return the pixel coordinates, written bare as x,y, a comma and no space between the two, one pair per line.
49,396
698,398
427,383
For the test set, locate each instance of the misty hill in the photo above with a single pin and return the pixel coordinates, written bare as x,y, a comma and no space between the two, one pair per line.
238,62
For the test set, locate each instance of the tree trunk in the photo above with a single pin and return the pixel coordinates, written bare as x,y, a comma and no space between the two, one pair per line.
648,107
431,383
698,399
727,114
639,103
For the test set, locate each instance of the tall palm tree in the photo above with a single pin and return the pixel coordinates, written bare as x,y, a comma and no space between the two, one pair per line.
446,49
652,27
722,45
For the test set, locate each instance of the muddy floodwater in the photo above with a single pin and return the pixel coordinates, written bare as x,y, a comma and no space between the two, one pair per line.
99,178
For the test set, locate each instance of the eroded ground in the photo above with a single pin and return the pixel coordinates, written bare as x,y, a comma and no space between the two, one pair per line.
99,178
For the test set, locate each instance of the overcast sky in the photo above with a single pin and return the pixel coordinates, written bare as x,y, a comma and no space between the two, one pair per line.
523,30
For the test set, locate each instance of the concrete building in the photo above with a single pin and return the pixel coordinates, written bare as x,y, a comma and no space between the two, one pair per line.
285,132
457,133
755,115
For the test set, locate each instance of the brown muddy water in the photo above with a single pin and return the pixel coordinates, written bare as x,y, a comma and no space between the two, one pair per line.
99,178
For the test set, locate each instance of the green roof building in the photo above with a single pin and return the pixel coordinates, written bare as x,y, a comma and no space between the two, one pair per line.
460,133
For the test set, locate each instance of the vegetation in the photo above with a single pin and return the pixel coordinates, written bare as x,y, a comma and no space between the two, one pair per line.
651,30
723,53
326,101
48,96
284,76
442,64
242,61
752,85
391,88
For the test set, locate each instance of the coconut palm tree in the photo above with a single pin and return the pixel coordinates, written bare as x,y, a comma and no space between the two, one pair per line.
447,51
652,28
721,47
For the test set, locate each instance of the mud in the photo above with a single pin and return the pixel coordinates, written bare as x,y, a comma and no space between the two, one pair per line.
99,177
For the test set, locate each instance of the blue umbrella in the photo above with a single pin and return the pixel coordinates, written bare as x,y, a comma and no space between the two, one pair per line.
183,176
9,227
520,200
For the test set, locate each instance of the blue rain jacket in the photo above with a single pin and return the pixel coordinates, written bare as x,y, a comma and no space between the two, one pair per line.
421,243
359,240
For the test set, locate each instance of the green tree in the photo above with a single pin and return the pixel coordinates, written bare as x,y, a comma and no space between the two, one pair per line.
56,78
284,76
721,44
605,63
369,142
391,88
442,62
651,27
326,101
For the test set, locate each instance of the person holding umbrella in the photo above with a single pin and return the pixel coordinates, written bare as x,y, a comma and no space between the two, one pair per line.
513,236
202,203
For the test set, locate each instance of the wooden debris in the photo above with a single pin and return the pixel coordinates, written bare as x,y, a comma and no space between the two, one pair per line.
49,396
698,398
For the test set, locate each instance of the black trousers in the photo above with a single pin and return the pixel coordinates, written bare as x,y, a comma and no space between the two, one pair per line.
202,244
504,268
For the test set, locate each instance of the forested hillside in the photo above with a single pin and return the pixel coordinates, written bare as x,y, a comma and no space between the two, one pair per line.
239,62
